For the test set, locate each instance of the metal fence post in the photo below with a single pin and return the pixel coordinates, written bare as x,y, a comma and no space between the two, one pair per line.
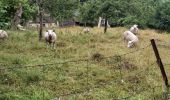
160,64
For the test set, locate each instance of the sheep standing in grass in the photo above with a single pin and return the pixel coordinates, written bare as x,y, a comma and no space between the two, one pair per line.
134,29
3,34
50,38
20,27
86,30
130,38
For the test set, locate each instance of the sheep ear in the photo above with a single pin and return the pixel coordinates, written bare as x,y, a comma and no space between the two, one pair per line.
53,30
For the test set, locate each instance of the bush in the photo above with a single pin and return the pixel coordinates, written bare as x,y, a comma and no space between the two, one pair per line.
131,20
162,17
5,25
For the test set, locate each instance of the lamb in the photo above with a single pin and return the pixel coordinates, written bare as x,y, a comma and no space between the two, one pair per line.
50,38
130,38
3,34
134,29
86,30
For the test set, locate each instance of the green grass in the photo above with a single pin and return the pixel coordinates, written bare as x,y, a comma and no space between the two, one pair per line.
95,79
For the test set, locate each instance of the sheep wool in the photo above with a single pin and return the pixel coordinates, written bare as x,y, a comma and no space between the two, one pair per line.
134,29
3,34
130,38
50,38
86,30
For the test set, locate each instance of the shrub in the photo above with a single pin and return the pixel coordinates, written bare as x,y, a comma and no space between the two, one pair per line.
162,17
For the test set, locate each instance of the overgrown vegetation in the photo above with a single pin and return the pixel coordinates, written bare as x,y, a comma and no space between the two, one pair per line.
98,78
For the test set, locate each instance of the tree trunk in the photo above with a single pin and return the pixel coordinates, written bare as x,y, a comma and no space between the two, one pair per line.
41,25
17,16
99,23
105,25
40,19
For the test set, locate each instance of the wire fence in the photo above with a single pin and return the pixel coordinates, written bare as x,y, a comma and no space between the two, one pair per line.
86,77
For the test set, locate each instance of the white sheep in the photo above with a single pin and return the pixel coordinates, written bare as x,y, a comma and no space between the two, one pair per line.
20,27
86,30
50,38
134,29
130,38
3,34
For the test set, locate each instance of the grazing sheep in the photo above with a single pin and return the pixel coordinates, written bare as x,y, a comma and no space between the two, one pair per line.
130,38
50,37
3,34
86,30
134,29
20,27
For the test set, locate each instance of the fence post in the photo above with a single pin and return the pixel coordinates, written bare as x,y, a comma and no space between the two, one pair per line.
87,81
160,64
105,25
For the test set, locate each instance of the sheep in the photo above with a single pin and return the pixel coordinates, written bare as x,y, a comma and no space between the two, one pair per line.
50,38
20,27
86,30
131,38
3,34
134,29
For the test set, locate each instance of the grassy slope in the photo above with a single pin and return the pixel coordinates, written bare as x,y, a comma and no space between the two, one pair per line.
37,83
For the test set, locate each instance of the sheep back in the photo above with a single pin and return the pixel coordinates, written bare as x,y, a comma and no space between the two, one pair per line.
3,34
129,36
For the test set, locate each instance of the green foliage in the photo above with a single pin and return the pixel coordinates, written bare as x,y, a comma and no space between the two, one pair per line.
145,13
119,12
61,10
87,12
162,17
8,9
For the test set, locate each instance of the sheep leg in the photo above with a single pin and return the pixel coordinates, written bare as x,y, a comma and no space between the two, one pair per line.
47,45
54,45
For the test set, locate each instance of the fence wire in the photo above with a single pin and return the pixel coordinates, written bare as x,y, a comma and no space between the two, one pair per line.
120,79
71,61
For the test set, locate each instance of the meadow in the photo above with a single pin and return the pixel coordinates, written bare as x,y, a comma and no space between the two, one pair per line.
84,66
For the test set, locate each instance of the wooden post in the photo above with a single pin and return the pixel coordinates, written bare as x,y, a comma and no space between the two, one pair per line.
159,62
105,25
41,26
40,19
99,23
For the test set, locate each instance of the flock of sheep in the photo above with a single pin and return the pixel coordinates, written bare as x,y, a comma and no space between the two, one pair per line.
129,36
50,36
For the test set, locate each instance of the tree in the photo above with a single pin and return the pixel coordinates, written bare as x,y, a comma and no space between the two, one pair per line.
9,8
61,10
105,11
162,17
88,12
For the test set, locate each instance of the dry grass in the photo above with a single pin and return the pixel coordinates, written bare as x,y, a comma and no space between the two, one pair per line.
23,48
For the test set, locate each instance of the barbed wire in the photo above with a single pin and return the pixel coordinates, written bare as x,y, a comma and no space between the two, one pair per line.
104,85
167,64
91,89
137,93
71,61
163,43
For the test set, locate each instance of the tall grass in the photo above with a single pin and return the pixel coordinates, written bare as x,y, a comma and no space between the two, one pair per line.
52,81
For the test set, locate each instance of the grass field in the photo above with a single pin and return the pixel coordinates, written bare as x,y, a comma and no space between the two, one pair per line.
91,66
